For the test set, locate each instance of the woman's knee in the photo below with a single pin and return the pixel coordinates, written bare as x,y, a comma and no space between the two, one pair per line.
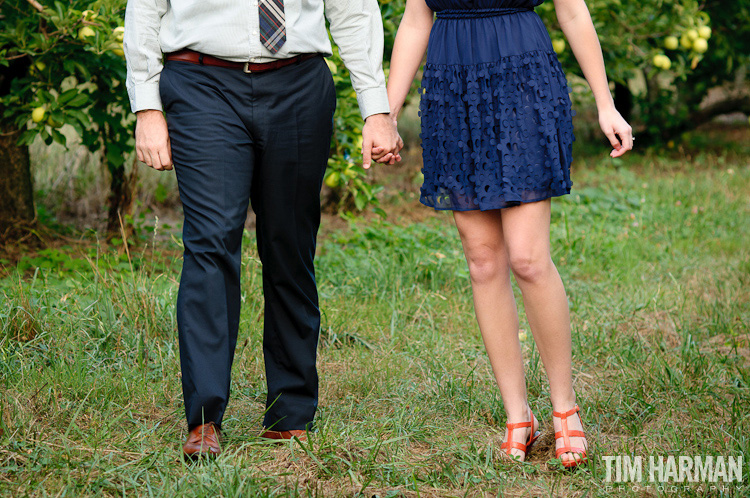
486,263
530,267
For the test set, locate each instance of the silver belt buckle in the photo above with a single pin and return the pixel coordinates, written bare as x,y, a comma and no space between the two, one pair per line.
247,68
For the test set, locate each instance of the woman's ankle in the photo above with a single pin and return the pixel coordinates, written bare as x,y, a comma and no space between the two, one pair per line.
563,402
520,412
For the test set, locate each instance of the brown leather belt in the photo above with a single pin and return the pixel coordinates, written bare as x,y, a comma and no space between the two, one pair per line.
249,67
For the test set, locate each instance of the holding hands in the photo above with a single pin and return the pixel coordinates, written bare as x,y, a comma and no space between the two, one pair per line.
380,140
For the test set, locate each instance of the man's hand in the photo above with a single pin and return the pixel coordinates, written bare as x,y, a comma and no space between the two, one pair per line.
380,140
152,140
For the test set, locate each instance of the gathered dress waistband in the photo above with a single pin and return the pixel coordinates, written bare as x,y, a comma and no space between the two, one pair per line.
475,13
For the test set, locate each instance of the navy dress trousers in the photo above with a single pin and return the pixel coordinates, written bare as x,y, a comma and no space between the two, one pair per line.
260,138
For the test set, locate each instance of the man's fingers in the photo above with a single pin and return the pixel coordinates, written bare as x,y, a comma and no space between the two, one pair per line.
147,158
155,160
166,161
157,157
366,152
380,142
166,156
152,139
169,153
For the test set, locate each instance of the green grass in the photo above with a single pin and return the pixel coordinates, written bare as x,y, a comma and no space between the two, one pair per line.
655,255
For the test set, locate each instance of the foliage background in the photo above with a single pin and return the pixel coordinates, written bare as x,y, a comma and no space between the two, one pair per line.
77,78
666,101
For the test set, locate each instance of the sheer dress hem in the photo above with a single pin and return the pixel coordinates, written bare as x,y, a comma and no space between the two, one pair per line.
496,134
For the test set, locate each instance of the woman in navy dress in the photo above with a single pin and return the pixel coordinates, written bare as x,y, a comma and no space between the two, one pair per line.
497,138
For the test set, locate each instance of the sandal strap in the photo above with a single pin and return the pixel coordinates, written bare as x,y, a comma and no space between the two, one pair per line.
509,445
566,414
518,425
566,433
560,434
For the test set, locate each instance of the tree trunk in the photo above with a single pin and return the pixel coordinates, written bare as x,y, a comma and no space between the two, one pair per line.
121,197
624,101
16,192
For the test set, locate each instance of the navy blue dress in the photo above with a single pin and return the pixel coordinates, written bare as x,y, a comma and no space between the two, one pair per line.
496,117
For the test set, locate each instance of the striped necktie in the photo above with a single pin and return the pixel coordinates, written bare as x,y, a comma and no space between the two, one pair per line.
272,29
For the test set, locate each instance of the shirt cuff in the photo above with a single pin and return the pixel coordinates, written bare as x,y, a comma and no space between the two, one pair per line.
373,101
145,96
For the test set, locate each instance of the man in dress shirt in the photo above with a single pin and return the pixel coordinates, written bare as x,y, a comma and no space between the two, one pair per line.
249,105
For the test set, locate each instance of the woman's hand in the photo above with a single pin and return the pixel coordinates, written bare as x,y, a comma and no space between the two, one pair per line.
380,140
618,131
575,22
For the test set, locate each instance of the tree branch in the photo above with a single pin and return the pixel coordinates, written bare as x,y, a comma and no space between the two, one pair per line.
36,5
729,105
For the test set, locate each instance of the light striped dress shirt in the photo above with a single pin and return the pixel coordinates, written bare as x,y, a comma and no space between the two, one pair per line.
228,29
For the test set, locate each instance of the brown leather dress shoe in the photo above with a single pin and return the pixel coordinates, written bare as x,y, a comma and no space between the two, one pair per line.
285,435
202,442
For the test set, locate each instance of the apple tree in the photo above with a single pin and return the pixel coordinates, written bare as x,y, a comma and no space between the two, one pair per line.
61,63
664,56
348,185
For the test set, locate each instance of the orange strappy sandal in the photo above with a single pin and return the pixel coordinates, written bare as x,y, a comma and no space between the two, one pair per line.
566,435
510,444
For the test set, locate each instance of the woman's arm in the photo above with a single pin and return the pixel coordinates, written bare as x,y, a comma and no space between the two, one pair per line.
408,51
576,23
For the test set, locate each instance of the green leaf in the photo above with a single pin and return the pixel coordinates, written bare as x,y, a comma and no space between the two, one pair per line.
78,100
67,96
59,137
27,137
160,193
114,158
83,70
80,116
360,201
77,127
57,116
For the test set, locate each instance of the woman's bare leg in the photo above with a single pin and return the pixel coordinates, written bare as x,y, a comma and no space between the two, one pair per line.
526,236
495,307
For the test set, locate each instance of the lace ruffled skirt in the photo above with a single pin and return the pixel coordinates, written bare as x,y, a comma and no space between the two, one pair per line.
496,116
